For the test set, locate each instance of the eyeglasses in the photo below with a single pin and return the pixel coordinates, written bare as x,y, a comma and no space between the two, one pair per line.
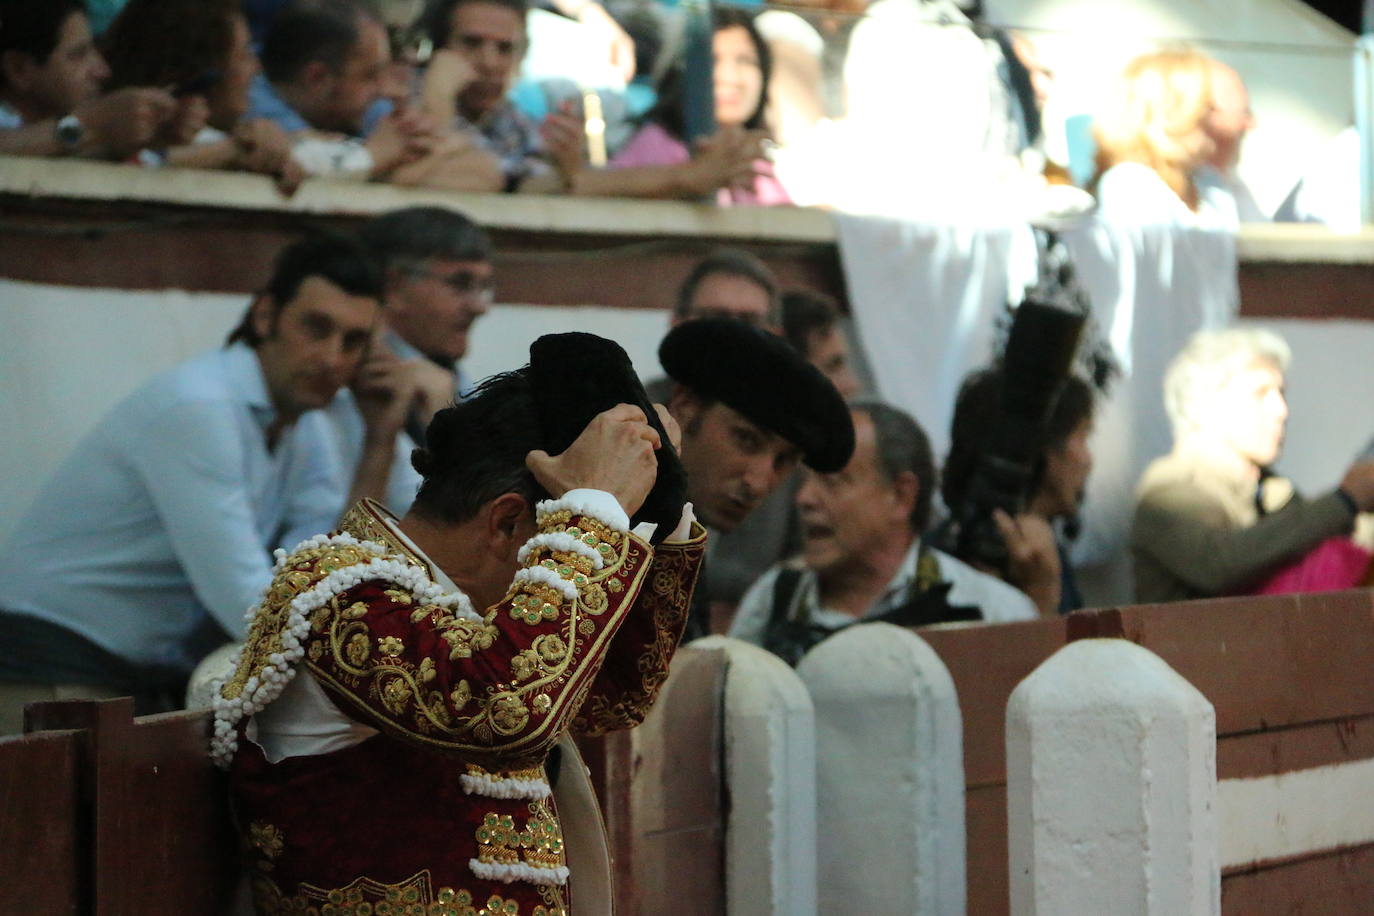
464,283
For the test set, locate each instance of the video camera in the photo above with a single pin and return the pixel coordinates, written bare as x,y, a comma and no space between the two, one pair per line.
1039,357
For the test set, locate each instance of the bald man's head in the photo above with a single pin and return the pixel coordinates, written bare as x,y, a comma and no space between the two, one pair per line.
1230,118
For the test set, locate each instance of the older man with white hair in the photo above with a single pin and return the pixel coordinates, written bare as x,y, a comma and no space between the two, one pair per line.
1211,517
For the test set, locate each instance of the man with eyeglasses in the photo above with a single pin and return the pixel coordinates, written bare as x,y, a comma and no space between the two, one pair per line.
438,281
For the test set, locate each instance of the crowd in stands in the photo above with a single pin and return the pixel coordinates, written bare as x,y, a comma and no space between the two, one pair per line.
755,490
320,398
448,98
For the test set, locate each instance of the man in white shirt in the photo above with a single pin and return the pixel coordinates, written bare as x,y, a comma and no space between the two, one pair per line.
150,541
863,557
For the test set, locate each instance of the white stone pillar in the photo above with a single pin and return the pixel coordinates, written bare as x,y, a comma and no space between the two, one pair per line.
889,775
770,769
1111,787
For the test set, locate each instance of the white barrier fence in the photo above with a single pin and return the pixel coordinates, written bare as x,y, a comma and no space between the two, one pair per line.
889,774
770,768
1111,787
846,781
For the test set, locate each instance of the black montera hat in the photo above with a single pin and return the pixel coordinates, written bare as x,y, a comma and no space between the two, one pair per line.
576,376
762,377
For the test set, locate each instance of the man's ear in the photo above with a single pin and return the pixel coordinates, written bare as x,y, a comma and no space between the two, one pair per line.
683,404
262,314
509,523
906,489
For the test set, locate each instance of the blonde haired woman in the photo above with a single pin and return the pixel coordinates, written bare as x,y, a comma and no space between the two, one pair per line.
1151,140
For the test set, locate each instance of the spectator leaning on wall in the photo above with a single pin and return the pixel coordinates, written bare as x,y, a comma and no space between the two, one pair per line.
51,80
324,62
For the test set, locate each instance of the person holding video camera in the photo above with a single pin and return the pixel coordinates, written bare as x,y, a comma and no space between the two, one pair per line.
1035,538
202,49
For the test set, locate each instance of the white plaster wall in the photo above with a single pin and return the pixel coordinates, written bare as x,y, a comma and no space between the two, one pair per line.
1330,398
69,354
1296,62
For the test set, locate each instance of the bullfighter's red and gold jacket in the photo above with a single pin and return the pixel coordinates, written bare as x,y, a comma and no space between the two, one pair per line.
448,810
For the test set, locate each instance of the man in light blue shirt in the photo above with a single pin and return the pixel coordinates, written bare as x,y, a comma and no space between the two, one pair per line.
153,538
51,103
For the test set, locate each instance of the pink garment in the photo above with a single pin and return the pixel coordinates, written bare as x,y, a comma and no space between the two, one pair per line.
652,145
1334,564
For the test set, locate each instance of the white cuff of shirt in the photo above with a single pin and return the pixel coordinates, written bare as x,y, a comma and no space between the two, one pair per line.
681,533
343,158
603,505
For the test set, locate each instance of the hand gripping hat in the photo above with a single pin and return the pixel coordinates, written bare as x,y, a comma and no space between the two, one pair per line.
762,377
576,376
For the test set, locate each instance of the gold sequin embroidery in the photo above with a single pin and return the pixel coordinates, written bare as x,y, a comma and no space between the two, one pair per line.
539,844
415,896
267,840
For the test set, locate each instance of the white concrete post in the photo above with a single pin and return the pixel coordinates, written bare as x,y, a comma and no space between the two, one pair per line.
889,775
1111,787
770,768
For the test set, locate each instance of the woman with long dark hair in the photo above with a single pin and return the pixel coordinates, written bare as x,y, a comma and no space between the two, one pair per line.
742,68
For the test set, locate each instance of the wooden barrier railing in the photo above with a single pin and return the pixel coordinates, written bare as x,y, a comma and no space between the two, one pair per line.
121,815
102,814
44,824
986,664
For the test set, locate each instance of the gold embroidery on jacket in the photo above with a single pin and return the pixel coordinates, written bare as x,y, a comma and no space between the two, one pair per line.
539,844
415,896
382,672
304,571
268,841
666,596
531,774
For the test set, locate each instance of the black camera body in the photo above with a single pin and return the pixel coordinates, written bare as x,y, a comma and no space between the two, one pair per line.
1039,357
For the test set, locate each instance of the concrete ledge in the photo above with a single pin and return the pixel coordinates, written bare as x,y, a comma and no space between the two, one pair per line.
1276,243
100,181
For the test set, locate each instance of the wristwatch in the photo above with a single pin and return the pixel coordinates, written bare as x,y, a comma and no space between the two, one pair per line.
70,132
